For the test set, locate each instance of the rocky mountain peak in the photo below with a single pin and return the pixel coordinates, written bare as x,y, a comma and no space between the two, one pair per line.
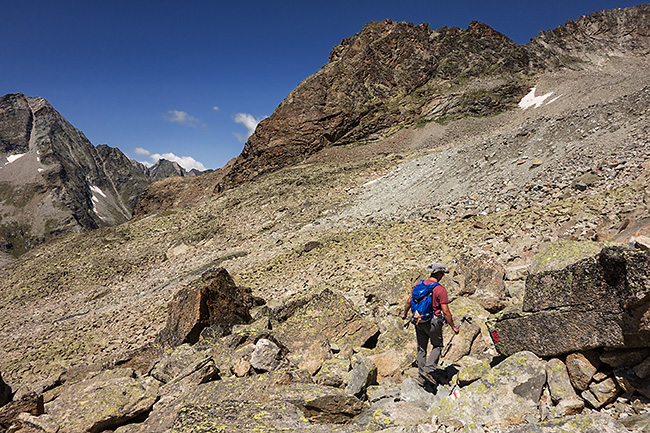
386,76
53,180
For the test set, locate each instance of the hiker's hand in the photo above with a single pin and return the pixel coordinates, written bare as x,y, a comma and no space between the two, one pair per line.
456,329
403,315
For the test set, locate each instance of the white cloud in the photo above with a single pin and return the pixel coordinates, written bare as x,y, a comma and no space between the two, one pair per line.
250,122
187,162
141,151
182,118
215,108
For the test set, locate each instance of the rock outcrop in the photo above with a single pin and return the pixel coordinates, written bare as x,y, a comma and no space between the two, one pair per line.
213,300
389,74
602,301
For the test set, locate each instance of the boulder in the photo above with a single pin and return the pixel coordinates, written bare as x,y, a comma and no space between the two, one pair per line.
211,300
389,413
624,358
30,403
642,370
472,373
91,405
266,356
601,301
481,345
363,374
558,381
411,391
334,372
326,316
581,369
273,416
592,423
390,363
602,393
505,396
482,279
313,356
183,362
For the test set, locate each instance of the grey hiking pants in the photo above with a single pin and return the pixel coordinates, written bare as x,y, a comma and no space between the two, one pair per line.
425,332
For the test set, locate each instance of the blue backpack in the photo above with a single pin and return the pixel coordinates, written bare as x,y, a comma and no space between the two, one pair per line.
421,302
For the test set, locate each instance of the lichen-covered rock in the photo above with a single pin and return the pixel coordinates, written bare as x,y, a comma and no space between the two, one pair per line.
102,402
481,344
182,362
599,301
327,316
334,372
505,396
212,299
472,373
558,255
558,381
595,423
389,413
233,416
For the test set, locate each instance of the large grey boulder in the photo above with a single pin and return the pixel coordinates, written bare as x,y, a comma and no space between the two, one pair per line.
364,374
327,316
597,302
102,402
505,396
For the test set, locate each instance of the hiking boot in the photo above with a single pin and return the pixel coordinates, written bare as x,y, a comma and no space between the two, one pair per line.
428,377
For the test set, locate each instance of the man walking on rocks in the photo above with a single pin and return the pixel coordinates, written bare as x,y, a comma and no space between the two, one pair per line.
430,305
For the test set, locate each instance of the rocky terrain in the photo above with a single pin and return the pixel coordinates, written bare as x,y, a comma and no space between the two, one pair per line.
273,305
53,180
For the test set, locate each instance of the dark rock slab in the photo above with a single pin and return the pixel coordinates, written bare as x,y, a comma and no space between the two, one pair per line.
600,301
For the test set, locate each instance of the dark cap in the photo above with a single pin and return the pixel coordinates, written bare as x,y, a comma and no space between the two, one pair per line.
436,268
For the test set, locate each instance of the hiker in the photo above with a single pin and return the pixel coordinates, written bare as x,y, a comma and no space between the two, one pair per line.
430,305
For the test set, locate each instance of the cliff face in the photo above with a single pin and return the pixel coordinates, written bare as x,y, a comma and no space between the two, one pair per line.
586,42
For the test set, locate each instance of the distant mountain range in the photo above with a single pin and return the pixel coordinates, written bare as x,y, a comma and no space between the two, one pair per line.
53,180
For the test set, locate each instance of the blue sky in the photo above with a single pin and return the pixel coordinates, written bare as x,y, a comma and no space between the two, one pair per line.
188,80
